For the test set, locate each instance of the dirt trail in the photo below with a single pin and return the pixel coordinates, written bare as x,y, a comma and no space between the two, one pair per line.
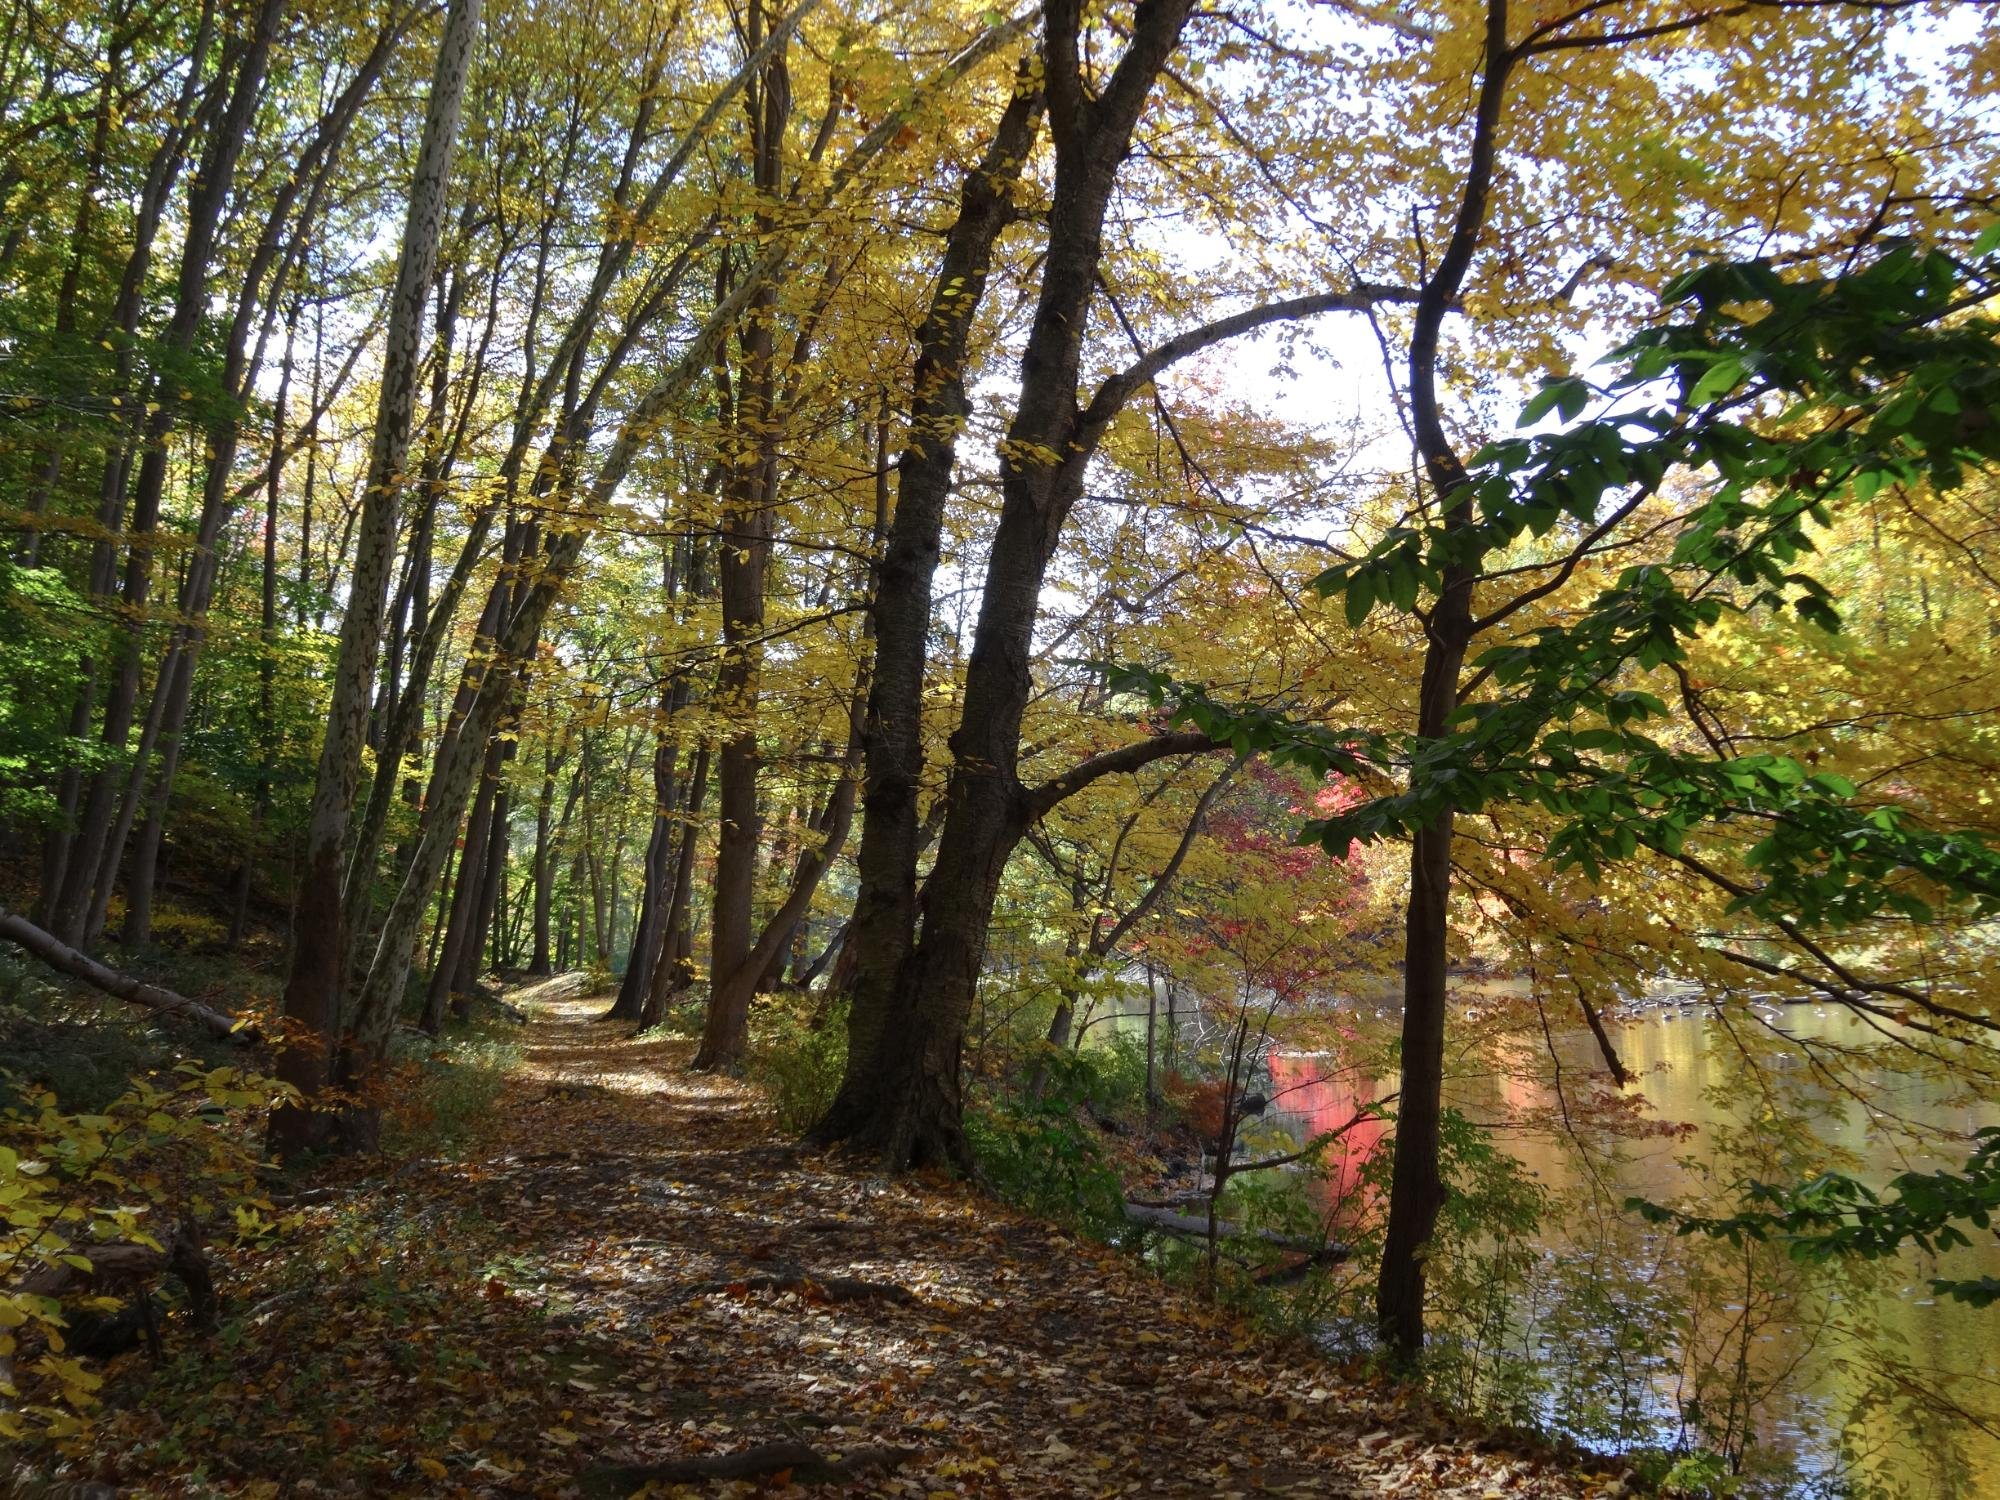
632,1268
1007,1357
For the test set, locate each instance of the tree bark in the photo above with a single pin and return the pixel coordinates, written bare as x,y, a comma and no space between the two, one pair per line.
1417,1190
902,1100
743,557
272,261
208,195
314,987
883,927
466,897
657,895
670,975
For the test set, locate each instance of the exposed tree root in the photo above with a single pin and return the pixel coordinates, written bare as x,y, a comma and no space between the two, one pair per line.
813,1288
803,1463
134,1267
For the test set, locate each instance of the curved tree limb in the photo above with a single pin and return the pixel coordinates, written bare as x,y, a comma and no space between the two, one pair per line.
1038,800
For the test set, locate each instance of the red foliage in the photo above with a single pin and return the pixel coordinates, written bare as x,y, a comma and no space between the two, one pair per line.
1199,1101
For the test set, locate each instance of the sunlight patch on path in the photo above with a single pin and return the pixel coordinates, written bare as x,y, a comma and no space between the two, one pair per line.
568,1045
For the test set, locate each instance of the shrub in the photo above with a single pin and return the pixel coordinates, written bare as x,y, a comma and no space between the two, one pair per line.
152,1159
1037,1153
798,1056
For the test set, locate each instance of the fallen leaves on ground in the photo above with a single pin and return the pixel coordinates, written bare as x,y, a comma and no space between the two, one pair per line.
632,1270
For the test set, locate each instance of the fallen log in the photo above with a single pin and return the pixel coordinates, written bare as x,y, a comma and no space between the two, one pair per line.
1195,1226
126,1264
806,1465
59,956
134,1263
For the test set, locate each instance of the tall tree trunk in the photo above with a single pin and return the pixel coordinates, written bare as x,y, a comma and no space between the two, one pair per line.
491,885
670,975
903,1101
749,475
883,925
1417,1190
465,902
267,641
732,993
274,257
63,888
650,927
542,964
207,198
313,990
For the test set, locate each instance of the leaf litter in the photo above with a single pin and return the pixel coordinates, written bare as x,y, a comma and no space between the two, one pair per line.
630,1283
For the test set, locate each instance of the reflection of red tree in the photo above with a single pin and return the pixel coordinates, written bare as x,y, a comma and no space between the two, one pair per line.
1302,1092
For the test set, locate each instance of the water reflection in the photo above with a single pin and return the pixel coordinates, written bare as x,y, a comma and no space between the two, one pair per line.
1690,1070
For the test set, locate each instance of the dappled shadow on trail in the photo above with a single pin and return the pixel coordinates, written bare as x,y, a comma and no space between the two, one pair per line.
630,1266
757,1293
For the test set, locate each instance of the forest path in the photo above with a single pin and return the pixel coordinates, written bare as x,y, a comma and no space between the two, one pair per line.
748,1293
627,1273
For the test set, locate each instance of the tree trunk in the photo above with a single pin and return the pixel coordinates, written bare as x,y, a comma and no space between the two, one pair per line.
743,556
669,975
466,898
883,926
732,993
262,289
472,960
267,641
207,198
650,927
541,966
58,955
60,870
902,1102
1417,1190
313,990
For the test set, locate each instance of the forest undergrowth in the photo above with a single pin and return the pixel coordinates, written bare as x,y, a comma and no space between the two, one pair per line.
622,1278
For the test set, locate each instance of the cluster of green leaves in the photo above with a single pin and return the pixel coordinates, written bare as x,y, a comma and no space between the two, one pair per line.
1785,395
41,611
1835,1214
799,1055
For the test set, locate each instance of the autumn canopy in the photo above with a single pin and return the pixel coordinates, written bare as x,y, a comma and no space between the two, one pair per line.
1348,646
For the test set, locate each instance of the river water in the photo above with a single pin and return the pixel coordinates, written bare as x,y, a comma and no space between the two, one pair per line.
1820,1381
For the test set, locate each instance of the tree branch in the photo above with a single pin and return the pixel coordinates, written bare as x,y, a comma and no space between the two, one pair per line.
1103,943
1036,802
1116,390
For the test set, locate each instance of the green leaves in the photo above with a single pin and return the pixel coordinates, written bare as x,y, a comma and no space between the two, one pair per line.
1838,1215
1566,396
1395,572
